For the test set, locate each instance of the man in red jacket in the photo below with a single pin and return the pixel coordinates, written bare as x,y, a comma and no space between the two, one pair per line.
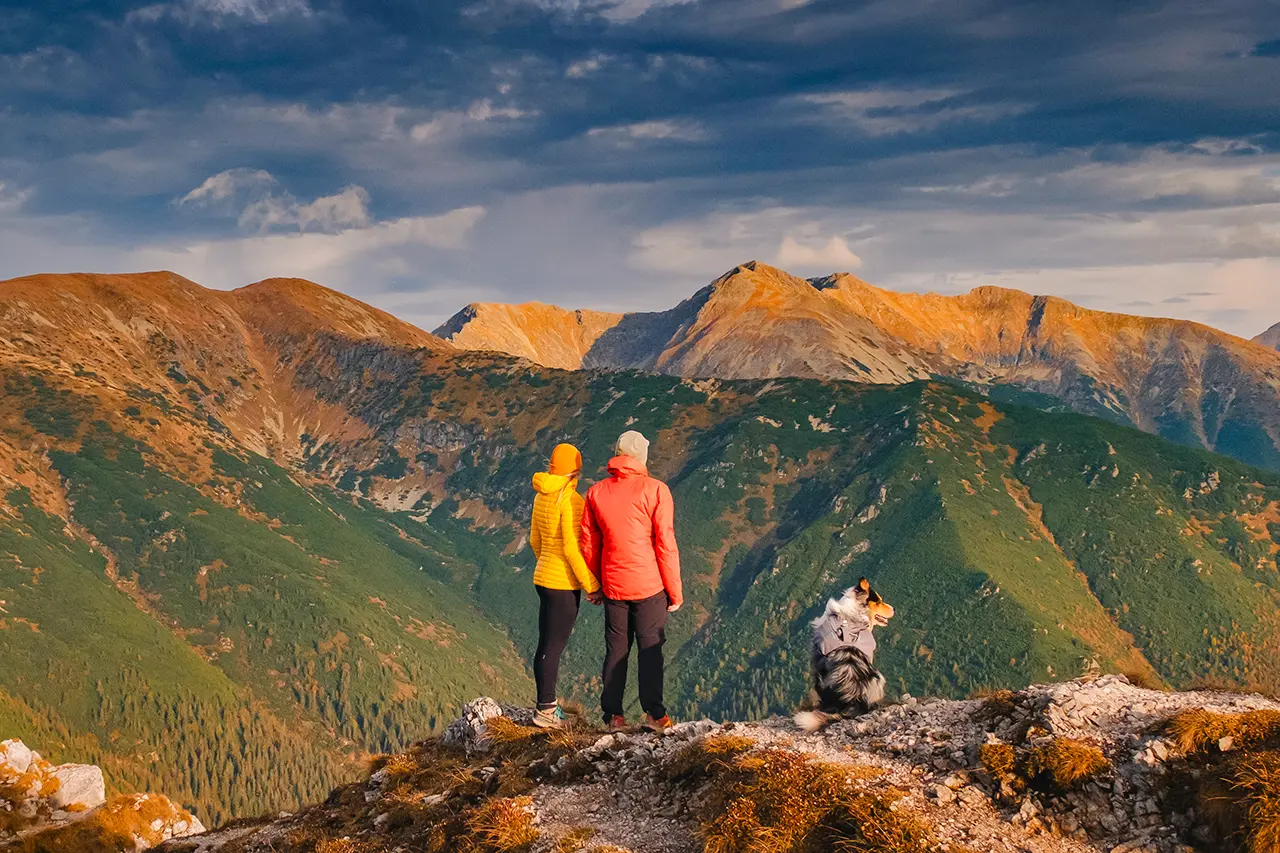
629,543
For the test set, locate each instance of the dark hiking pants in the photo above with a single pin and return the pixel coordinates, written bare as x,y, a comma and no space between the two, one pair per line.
643,622
557,611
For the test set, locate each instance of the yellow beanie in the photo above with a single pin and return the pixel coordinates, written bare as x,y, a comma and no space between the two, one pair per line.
565,460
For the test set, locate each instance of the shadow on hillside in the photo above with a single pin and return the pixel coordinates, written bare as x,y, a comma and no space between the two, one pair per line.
639,339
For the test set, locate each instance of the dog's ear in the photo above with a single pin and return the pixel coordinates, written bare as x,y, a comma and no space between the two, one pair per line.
864,585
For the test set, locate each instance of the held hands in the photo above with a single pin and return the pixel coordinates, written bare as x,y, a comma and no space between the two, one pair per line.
596,598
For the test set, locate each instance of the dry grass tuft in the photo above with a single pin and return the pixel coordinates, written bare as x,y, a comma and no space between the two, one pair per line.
1145,679
503,730
525,745
776,801
574,840
1000,760
503,825
698,758
1200,731
401,765
1242,801
342,845
1066,762
1059,765
996,705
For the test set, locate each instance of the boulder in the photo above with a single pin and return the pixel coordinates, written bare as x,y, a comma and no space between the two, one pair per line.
470,731
80,787
15,757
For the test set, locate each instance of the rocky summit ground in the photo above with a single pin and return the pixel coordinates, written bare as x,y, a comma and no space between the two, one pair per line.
1088,765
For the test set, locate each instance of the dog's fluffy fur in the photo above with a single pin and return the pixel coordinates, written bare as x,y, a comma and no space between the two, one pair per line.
845,683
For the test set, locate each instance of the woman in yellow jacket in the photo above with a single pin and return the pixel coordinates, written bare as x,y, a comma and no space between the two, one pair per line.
561,574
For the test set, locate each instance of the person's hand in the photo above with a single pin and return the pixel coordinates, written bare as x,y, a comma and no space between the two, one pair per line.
672,608
596,598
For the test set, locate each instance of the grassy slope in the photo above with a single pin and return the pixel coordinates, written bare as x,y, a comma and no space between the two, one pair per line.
298,606
972,538
269,597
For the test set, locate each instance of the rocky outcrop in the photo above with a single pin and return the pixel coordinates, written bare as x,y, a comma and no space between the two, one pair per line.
65,807
35,794
928,772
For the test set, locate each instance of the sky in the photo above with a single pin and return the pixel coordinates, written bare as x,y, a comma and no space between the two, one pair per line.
620,154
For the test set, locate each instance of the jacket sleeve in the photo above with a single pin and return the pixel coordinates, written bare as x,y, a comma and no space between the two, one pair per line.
589,543
664,545
535,534
569,526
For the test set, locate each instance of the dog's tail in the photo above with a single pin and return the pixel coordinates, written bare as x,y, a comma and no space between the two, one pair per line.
814,721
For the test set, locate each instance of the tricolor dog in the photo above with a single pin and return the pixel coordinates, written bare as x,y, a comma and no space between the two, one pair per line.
845,683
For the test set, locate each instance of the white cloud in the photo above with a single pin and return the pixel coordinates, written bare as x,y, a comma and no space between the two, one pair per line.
1158,175
619,11
710,245
359,261
225,185
218,12
1163,176
884,112
12,199
485,111
264,210
346,209
834,255
452,123
627,134
1238,296
340,256
586,67
627,10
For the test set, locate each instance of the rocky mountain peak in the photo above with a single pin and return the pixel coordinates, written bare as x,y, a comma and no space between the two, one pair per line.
1270,338
757,321
837,280
297,307
545,334
754,282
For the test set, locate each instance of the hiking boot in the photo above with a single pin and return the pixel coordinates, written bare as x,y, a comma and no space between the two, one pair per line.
616,723
549,718
657,725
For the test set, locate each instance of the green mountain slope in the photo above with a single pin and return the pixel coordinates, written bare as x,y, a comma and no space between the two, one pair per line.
963,511
249,642
239,547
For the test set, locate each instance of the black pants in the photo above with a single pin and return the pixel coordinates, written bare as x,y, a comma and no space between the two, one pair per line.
645,623
557,611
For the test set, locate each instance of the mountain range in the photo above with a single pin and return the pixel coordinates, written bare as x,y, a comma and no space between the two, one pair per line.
248,536
1185,381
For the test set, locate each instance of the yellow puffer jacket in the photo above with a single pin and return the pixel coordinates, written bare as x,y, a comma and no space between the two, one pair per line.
553,534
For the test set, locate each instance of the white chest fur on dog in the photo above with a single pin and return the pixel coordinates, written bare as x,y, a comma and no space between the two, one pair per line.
835,631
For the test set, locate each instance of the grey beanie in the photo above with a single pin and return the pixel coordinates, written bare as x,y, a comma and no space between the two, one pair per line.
635,445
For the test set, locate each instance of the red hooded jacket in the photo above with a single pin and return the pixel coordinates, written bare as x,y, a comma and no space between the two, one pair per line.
628,538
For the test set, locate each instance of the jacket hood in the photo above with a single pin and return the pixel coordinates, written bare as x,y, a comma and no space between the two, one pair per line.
626,466
549,484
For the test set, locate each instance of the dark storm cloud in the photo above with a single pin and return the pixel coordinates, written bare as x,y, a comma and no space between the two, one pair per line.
634,113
